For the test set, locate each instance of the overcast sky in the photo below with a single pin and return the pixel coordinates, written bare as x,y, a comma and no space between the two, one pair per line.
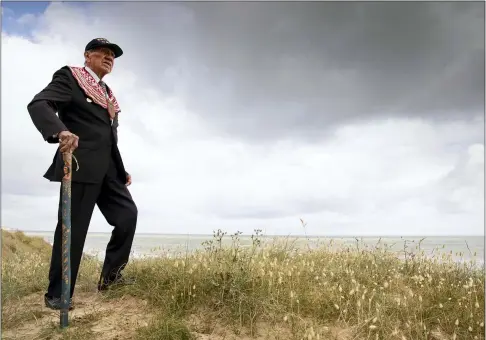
360,118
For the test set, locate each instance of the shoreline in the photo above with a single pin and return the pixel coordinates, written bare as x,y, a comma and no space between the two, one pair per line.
163,243
173,253
263,236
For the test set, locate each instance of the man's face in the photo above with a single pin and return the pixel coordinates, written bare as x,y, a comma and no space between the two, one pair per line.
100,60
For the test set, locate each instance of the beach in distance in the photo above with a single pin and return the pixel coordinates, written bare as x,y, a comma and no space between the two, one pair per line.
461,248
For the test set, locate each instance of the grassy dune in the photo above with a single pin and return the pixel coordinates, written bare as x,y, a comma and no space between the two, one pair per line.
266,291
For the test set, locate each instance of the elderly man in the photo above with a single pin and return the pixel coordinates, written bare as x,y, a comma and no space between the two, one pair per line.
86,124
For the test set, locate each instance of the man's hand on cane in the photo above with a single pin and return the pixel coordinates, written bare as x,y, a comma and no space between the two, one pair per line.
68,142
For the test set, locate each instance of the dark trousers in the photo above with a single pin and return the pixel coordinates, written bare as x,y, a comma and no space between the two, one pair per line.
117,206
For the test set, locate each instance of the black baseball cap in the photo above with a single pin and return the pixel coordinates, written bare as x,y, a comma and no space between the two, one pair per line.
102,42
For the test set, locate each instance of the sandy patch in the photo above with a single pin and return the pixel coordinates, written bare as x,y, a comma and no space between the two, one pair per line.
94,314
96,317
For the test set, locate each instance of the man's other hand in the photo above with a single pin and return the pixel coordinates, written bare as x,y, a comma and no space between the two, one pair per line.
68,142
129,180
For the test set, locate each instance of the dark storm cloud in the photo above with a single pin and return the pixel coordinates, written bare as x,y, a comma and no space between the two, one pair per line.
286,69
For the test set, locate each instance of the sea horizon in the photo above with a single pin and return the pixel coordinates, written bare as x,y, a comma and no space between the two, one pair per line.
29,231
462,248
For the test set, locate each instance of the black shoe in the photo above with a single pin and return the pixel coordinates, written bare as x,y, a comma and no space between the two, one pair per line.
119,281
55,303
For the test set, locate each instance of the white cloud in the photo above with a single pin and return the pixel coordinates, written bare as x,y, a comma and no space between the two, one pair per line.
27,19
396,176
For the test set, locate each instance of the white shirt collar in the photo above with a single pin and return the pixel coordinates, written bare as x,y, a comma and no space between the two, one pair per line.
90,71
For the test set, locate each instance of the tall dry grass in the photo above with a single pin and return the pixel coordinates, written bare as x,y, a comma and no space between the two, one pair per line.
366,291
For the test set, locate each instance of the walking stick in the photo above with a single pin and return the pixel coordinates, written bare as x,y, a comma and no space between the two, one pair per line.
66,239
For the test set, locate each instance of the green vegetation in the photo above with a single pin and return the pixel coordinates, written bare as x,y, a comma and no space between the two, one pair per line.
269,290
166,328
24,264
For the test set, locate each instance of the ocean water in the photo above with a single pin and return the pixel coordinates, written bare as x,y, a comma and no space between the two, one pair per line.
462,248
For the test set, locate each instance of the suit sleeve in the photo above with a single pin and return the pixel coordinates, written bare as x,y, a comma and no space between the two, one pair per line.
114,129
115,134
47,103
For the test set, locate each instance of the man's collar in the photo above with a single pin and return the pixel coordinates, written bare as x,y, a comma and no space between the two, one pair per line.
90,71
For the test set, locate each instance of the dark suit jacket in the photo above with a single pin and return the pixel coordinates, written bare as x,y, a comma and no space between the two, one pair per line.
98,138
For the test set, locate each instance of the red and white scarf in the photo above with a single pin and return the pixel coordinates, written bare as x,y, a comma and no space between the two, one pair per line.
92,88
